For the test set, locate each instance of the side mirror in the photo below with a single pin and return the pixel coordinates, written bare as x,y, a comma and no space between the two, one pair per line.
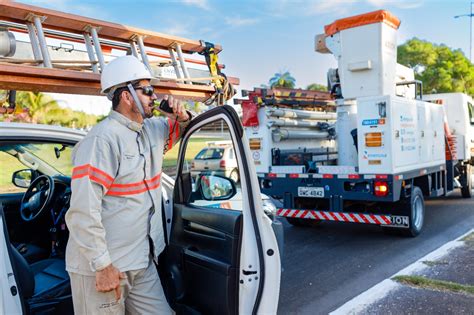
215,187
22,178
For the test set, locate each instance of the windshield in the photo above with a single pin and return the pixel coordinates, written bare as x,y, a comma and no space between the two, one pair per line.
47,158
210,153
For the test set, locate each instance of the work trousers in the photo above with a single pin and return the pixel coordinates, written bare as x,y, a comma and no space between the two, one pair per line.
142,293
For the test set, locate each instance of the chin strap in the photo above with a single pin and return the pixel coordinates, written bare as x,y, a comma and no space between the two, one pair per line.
136,99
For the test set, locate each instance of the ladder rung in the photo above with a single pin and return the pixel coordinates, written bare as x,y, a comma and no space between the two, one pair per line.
16,12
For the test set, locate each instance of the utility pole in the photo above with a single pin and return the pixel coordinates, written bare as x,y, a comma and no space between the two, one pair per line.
470,30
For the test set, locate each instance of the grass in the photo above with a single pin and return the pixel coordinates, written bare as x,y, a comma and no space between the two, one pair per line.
439,285
432,263
469,239
9,164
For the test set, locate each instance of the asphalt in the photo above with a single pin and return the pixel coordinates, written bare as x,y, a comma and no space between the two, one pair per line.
456,266
330,264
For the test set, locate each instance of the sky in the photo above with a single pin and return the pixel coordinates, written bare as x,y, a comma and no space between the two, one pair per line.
260,38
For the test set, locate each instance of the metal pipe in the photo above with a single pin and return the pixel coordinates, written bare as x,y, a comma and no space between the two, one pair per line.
141,45
303,114
42,42
133,49
285,134
98,49
174,62
90,52
295,123
182,62
34,41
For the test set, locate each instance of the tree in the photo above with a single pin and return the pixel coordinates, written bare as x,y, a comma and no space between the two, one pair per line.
440,68
37,104
282,79
37,107
317,87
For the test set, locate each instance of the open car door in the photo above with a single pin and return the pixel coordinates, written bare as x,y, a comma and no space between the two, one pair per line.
222,256
10,302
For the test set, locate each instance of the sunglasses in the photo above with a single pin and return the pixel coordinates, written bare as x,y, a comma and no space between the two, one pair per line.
147,90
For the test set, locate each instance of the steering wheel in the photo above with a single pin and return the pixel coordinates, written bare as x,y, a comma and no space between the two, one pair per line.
37,197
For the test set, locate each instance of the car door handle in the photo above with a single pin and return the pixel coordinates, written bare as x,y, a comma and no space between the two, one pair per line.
248,273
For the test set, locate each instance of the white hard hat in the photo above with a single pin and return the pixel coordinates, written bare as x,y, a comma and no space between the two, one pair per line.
120,71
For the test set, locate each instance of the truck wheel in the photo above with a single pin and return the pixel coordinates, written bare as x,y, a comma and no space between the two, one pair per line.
303,222
466,190
416,212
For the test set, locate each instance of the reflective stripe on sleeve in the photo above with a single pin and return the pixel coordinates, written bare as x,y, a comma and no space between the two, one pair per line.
93,173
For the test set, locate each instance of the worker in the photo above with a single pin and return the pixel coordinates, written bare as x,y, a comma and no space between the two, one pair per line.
115,215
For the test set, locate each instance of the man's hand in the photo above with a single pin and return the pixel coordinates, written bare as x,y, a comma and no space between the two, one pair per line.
179,111
108,279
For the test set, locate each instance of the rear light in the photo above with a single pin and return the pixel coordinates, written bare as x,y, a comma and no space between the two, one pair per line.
255,143
193,165
381,189
373,139
222,164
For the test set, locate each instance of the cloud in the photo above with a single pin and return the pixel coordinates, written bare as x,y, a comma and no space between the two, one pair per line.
402,4
239,21
177,29
203,4
340,7
71,7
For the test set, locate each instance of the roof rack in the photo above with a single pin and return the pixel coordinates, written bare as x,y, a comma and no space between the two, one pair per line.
42,73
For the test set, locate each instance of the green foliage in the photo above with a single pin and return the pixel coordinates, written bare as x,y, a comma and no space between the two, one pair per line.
282,79
440,68
317,87
37,107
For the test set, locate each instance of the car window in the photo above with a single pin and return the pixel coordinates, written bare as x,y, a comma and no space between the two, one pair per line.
47,158
9,165
212,173
210,153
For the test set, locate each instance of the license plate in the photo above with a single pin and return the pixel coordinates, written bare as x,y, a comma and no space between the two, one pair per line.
400,221
312,192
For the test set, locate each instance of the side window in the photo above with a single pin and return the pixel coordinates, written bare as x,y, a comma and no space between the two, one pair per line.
470,108
9,166
215,178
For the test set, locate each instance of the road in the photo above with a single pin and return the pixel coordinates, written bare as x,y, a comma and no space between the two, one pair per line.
328,265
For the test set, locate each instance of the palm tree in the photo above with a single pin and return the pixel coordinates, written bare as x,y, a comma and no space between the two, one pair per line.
317,87
282,79
37,104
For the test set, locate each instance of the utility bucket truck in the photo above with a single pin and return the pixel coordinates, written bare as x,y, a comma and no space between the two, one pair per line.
374,152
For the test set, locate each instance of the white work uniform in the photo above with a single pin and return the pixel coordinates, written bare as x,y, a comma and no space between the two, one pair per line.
116,194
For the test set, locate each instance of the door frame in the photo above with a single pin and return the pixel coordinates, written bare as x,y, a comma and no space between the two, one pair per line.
228,114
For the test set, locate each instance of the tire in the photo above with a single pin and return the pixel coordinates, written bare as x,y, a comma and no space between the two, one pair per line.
234,175
466,190
415,208
303,222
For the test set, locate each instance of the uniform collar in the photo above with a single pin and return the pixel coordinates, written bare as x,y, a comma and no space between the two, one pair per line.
130,124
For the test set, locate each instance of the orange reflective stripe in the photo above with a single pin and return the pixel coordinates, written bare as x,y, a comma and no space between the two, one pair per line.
176,132
135,188
93,173
130,191
170,143
138,184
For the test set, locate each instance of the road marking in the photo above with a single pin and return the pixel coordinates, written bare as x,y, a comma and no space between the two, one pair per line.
382,289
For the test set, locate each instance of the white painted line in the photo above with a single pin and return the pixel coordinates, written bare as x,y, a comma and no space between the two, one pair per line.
380,290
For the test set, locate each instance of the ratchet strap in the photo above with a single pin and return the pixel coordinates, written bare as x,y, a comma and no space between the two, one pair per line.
224,90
